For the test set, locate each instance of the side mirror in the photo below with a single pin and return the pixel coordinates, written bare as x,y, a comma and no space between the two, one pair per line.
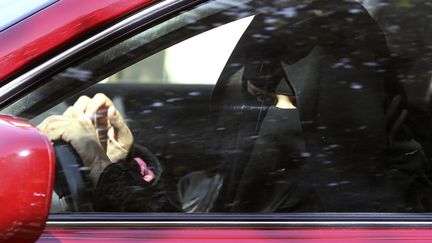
27,169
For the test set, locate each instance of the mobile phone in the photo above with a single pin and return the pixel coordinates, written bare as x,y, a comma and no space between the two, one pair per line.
100,122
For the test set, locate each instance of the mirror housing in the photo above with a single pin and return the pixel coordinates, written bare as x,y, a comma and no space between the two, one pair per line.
27,164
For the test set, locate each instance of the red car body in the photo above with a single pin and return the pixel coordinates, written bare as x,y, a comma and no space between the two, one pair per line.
41,36
53,28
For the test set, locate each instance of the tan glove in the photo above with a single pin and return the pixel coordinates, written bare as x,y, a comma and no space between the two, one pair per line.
120,138
80,133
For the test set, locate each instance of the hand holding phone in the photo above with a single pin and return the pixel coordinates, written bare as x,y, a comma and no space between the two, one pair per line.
100,122
113,133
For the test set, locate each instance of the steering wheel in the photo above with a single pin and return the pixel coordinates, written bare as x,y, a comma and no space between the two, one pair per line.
72,181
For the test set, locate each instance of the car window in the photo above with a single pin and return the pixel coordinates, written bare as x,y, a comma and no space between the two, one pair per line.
260,107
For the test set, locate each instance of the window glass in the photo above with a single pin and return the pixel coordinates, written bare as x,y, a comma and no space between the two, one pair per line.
169,66
255,107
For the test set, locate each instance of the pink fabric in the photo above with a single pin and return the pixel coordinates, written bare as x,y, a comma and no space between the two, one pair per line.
147,173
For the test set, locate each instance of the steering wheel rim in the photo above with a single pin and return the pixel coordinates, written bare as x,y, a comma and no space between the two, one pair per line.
72,181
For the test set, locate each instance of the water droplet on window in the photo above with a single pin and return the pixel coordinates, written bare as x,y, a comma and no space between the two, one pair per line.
270,28
157,104
146,111
356,86
288,12
305,154
194,93
355,10
173,100
370,64
270,20
393,28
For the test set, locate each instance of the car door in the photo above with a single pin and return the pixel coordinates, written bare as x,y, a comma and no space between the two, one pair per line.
260,120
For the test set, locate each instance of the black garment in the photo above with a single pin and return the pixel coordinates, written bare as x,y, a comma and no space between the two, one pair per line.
121,187
359,154
273,180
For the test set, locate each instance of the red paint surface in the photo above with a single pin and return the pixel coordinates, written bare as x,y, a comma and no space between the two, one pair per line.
237,235
55,26
27,165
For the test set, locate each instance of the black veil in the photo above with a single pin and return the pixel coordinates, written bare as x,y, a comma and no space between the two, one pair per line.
342,144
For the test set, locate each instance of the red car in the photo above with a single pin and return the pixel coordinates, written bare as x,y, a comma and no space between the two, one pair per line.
259,121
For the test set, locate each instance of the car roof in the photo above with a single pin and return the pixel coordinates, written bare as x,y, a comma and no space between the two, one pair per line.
40,35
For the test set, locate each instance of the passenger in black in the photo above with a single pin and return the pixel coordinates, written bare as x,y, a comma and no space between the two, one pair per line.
349,141
319,126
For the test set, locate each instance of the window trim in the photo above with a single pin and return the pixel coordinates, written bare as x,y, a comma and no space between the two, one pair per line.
282,220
